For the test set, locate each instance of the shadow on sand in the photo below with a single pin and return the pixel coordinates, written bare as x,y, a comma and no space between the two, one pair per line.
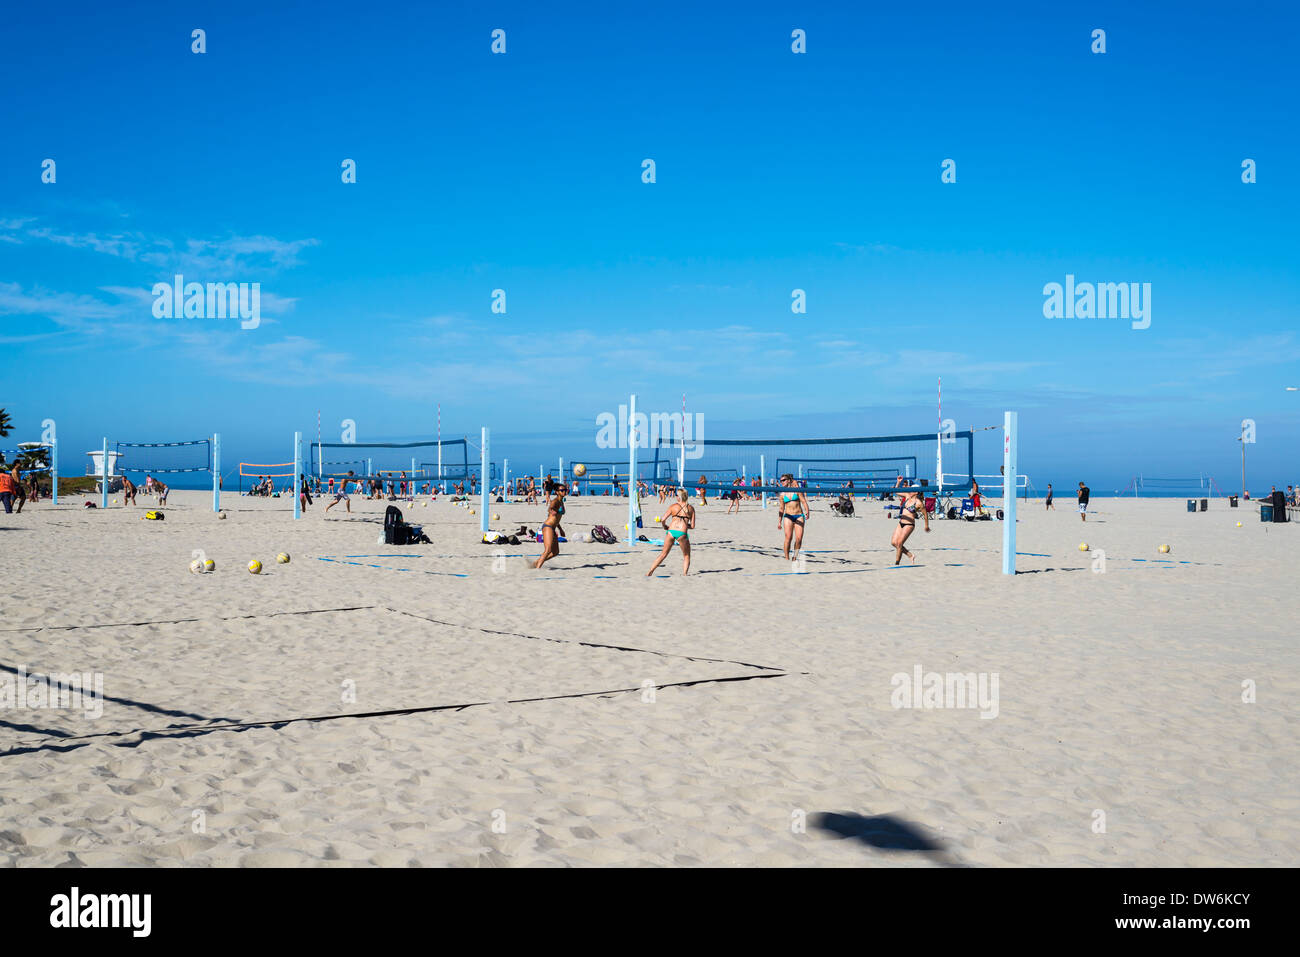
885,832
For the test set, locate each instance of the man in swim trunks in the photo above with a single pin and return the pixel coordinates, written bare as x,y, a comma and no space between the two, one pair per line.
128,491
1084,493
678,522
1049,504
160,490
342,495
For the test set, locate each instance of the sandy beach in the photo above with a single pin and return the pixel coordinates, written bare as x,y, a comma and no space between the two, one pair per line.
478,712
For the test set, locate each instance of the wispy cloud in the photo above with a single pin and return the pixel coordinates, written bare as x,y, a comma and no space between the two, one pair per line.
225,257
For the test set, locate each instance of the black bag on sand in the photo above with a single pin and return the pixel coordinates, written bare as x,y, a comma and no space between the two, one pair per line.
394,527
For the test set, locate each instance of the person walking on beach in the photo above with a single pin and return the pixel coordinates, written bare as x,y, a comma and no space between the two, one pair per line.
8,488
908,510
792,515
551,527
735,494
1084,492
678,521
341,495
1049,506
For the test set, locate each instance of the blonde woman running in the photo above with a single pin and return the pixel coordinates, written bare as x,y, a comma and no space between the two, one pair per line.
793,515
678,522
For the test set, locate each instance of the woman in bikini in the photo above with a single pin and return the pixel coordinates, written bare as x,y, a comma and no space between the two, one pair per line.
911,507
678,522
551,527
793,515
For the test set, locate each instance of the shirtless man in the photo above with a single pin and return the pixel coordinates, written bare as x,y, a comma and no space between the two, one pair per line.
342,494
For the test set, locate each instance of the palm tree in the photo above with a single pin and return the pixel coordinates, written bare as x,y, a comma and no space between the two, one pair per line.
5,424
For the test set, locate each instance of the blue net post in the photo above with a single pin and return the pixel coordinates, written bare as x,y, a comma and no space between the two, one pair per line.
54,471
505,479
103,475
484,474
297,475
1009,454
762,476
216,471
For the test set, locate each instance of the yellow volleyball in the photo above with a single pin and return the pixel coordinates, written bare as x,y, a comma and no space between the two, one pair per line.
209,565
255,567
1083,546
282,558
1164,549
580,470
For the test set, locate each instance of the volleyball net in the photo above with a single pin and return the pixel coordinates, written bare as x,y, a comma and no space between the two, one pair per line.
424,461
863,465
1201,485
32,458
259,472
599,477
164,458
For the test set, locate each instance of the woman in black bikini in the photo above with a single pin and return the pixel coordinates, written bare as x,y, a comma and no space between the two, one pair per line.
793,515
551,528
911,507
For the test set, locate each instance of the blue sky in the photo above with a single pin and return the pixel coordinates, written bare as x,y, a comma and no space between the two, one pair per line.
775,171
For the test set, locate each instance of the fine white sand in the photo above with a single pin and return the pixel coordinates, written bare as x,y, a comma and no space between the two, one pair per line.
1120,693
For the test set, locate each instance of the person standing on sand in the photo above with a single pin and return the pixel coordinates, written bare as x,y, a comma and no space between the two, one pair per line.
792,515
1084,493
1048,503
678,522
128,491
8,488
908,510
551,527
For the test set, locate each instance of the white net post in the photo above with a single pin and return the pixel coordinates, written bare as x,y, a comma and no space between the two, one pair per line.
1009,455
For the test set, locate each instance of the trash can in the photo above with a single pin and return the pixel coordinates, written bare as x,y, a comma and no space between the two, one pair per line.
1205,504
1191,505
1266,513
1232,501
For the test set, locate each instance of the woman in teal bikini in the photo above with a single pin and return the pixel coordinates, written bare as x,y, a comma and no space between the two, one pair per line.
677,522
793,515
551,527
